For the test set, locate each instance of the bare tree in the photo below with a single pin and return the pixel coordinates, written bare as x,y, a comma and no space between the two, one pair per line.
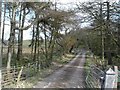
4,16
11,39
20,36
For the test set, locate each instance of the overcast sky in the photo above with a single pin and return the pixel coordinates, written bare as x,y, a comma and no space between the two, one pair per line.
74,1
65,4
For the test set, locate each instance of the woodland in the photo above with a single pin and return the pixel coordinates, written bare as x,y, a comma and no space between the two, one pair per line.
56,32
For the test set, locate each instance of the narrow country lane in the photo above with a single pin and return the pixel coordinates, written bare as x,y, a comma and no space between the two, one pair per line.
69,76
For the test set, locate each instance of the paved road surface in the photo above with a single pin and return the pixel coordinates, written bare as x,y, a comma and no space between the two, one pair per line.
69,76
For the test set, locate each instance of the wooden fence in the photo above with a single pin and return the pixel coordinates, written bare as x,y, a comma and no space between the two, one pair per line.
11,78
17,74
95,78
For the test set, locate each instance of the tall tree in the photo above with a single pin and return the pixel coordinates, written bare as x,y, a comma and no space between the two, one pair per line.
4,16
11,38
0,31
20,36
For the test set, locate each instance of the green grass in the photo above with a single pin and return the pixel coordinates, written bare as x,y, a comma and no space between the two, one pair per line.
88,63
64,59
30,82
89,60
41,74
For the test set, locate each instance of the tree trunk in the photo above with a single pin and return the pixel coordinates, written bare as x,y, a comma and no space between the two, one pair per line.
46,50
3,29
108,38
0,46
10,44
32,42
20,36
38,52
51,52
52,46
36,42
102,35
13,48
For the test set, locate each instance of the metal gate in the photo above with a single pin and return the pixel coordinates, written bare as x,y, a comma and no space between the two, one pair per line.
95,77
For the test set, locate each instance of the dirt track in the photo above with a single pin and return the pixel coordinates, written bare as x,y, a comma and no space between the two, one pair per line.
69,76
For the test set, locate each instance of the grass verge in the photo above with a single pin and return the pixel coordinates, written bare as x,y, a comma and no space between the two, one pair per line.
57,63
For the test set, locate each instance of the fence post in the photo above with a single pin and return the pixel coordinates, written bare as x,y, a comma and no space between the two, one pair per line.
19,75
110,79
116,76
14,72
